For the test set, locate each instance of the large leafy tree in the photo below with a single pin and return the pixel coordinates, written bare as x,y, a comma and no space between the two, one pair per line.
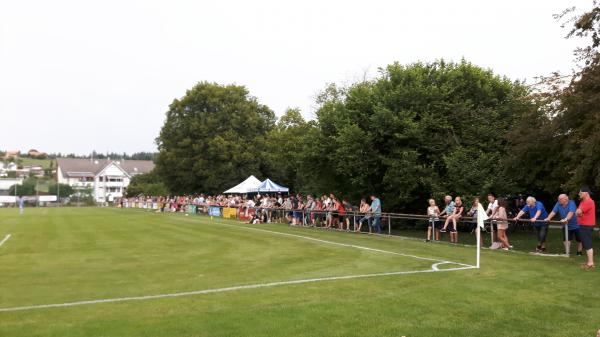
284,148
417,130
561,150
212,138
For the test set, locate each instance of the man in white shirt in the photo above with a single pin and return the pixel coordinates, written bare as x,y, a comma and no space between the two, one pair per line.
492,206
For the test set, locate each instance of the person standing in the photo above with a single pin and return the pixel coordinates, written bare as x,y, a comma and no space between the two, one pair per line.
434,218
376,211
501,218
473,214
21,205
536,211
566,209
492,208
492,205
586,218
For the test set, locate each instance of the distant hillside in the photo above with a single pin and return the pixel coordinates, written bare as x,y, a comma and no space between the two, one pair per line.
44,163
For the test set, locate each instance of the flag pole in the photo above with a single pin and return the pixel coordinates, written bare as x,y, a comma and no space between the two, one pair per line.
481,217
478,246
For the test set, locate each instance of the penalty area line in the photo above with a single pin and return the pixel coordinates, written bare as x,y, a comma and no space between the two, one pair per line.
434,269
5,239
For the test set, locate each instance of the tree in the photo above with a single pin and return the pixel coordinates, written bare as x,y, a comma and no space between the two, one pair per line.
560,152
417,130
63,190
283,149
212,138
147,184
27,188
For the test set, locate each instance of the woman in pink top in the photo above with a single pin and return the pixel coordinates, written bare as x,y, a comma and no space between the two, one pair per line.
502,223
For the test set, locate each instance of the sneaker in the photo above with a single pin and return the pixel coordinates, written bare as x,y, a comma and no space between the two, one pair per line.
579,253
443,230
504,248
427,240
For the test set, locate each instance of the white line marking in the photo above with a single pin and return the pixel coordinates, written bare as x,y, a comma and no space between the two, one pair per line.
228,289
548,254
5,239
434,268
343,244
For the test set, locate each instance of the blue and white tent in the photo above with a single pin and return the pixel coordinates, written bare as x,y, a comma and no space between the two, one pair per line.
270,186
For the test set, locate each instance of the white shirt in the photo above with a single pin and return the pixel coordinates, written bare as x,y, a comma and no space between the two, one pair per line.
492,207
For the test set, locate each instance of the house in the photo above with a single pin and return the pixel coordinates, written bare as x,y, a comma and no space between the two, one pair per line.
13,154
36,154
32,170
108,179
6,183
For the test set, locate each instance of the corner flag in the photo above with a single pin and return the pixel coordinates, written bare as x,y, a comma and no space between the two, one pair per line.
481,215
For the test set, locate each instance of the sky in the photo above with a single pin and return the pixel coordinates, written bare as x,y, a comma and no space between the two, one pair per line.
77,76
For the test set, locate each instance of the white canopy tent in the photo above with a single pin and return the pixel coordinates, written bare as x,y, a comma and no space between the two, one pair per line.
247,186
269,186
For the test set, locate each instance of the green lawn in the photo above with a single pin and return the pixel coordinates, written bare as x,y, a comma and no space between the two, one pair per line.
79,254
44,163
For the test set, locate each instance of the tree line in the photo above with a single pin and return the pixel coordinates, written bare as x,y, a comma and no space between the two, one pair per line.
415,131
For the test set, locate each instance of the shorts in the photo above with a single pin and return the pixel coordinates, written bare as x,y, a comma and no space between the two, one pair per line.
585,234
573,233
502,225
434,222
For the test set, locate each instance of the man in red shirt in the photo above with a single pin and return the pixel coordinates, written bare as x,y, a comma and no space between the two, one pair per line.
586,218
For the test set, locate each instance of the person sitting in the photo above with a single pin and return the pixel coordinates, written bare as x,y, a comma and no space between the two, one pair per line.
454,217
255,219
364,210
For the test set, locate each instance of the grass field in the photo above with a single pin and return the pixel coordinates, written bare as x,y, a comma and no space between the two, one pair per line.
44,163
69,255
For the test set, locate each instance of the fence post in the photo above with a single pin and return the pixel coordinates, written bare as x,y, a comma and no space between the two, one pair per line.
567,246
389,225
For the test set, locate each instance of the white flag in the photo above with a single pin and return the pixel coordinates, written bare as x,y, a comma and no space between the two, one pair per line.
481,215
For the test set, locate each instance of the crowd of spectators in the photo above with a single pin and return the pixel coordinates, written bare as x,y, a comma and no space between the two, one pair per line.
325,211
329,211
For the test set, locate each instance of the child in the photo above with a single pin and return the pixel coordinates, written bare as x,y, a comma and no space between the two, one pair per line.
434,217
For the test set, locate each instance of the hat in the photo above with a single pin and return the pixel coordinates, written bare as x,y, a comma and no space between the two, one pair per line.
585,189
